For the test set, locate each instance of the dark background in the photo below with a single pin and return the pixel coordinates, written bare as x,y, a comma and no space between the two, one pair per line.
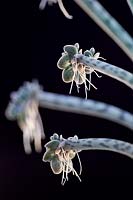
31,43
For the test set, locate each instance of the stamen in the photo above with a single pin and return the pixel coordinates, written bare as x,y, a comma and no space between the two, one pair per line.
76,174
67,165
84,77
64,10
77,87
71,87
63,180
102,58
80,164
74,70
90,81
86,88
97,74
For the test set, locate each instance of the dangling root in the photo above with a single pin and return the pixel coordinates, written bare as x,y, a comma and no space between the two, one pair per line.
67,165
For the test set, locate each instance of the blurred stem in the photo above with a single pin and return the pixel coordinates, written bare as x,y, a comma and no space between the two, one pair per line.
108,69
97,12
118,146
130,3
86,107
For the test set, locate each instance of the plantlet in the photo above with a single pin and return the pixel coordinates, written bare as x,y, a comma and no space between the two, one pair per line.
74,71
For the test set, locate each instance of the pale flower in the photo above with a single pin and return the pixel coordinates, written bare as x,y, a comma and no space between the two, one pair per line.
74,71
60,160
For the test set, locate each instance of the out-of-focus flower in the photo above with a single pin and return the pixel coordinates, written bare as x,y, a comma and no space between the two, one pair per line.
60,160
23,107
74,71
50,2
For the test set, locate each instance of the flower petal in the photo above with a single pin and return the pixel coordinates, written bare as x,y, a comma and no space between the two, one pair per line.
72,154
48,156
56,166
88,53
55,136
67,75
71,50
63,62
77,45
92,50
96,56
52,144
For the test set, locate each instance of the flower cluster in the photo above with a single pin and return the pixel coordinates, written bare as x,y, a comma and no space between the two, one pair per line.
60,159
24,108
74,71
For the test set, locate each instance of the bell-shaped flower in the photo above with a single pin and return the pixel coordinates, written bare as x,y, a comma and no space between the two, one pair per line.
60,160
74,71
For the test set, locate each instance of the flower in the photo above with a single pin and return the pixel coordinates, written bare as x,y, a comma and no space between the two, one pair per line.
24,108
50,2
74,71
60,160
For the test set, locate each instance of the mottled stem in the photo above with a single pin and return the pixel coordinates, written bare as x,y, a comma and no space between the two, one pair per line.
108,69
97,12
86,107
130,3
118,146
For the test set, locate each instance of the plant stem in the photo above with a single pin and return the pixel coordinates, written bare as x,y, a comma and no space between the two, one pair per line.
86,107
108,69
118,146
97,12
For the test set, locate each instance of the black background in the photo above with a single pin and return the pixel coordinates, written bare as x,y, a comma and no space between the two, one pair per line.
31,43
